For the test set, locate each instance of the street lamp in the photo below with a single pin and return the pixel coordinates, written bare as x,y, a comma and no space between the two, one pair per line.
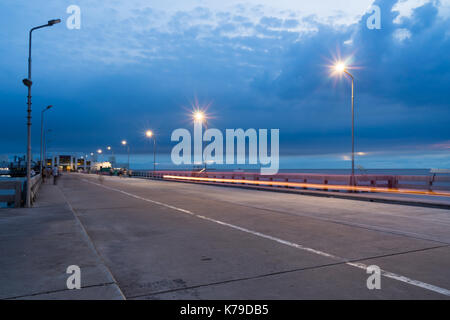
340,68
112,158
28,83
149,134
45,143
199,116
99,151
42,134
124,143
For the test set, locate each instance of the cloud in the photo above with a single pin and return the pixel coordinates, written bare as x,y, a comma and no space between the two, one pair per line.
134,65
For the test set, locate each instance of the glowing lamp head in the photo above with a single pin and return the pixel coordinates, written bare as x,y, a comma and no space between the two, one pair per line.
149,133
99,151
199,116
109,148
124,142
340,67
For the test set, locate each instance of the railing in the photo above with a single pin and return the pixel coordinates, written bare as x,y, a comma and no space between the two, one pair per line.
18,187
36,182
15,197
310,181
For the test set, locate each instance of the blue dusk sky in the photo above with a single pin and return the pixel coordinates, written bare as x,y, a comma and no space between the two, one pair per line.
140,64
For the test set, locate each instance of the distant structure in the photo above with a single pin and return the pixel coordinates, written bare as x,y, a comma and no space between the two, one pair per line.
69,162
76,162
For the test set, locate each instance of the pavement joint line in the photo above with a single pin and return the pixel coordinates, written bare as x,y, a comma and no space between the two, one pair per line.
385,273
57,291
91,244
266,275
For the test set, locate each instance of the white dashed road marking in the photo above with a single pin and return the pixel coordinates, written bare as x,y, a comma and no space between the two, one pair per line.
385,273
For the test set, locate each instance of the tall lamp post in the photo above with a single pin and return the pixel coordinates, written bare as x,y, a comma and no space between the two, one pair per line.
124,143
340,67
199,116
27,82
99,151
113,159
149,134
45,144
42,136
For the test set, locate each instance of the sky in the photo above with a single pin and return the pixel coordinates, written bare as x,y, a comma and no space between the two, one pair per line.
138,64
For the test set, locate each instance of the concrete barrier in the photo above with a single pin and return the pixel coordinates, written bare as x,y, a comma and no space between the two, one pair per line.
15,197
428,183
36,182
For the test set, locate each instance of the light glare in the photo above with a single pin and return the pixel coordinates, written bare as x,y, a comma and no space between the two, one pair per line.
340,67
199,116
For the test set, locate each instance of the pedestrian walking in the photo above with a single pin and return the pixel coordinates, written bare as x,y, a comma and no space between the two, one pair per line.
55,173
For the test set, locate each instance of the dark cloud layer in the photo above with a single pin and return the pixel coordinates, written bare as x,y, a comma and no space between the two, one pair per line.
117,76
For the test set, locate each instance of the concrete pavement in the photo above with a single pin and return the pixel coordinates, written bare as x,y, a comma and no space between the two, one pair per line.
167,240
38,244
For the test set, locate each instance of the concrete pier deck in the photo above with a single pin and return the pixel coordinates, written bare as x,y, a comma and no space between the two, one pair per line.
144,239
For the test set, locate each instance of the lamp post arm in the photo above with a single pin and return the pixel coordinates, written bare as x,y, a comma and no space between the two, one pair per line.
29,47
349,74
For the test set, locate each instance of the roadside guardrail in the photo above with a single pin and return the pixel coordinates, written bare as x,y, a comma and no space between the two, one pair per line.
340,182
18,190
16,196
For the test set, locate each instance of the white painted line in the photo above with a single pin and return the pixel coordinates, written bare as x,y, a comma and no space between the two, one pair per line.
385,273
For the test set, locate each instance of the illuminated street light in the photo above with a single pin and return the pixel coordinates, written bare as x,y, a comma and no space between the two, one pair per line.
149,134
44,147
340,68
199,116
112,159
42,137
28,83
99,151
124,143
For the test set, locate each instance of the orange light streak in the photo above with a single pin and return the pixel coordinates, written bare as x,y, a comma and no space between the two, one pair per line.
310,185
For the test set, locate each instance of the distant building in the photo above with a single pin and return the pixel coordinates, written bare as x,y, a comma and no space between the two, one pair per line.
69,162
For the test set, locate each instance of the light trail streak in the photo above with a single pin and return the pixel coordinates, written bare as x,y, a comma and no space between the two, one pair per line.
310,185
